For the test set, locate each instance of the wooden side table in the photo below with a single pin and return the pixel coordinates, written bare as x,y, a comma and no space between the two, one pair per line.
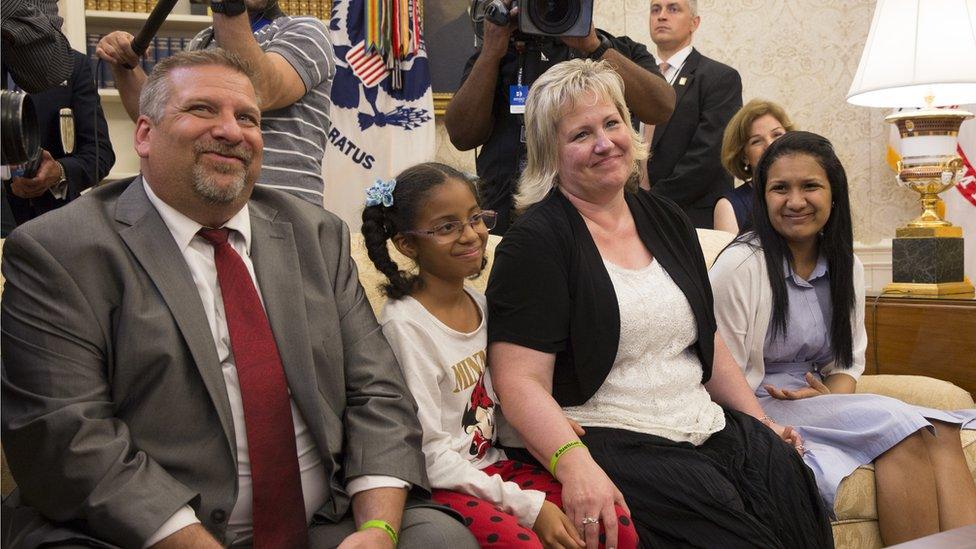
931,336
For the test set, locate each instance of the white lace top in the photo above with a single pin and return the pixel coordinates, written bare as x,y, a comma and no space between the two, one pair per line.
655,384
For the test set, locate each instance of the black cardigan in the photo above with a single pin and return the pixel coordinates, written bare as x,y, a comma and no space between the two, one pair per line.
550,291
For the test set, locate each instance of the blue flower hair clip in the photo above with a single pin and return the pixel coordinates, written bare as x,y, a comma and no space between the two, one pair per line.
380,192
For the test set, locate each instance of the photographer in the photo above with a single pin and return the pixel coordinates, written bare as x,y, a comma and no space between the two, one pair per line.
62,174
480,113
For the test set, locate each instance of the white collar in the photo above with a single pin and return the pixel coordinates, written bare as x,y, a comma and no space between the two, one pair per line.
819,270
184,229
679,57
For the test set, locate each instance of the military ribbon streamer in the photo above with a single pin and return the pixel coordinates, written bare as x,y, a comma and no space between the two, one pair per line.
382,104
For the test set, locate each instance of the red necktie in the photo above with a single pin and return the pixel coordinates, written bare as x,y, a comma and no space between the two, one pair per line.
278,504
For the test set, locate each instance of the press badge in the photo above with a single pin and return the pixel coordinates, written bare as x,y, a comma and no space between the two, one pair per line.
516,98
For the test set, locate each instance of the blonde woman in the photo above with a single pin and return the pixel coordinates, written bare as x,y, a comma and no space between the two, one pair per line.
600,310
757,124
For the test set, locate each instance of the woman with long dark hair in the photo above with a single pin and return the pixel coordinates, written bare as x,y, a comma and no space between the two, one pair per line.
789,301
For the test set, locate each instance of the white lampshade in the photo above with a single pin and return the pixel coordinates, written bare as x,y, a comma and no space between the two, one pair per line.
917,48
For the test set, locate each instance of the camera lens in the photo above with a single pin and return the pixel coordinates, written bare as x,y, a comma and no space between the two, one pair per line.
554,16
19,134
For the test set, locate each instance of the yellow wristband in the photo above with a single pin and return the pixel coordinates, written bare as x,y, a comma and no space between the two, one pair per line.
559,453
382,525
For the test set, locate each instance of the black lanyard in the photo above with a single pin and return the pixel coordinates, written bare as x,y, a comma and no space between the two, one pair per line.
677,72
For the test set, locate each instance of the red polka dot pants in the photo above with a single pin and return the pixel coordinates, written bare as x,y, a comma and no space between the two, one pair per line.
495,529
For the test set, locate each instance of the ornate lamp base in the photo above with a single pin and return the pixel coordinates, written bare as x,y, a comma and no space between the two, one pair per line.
964,288
928,262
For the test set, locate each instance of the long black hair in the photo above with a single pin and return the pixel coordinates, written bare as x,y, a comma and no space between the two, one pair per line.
381,223
836,240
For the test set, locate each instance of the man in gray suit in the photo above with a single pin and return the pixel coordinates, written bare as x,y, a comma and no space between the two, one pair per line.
150,359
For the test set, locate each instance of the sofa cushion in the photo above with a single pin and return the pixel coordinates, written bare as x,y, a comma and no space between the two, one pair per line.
856,495
712,243
918,390
857,535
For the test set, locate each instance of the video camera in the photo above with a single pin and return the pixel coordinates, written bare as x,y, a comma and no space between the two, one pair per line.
552,18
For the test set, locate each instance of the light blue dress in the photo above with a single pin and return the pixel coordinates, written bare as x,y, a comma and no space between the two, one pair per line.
840,432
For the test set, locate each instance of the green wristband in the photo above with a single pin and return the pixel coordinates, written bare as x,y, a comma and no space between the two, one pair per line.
559,453
382,525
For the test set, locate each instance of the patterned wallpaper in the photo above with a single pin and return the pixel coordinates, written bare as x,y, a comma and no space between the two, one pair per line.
802,54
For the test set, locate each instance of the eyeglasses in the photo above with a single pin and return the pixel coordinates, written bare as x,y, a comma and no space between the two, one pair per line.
452,230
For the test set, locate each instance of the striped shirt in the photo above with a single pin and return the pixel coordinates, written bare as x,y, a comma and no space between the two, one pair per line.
34,50
295,136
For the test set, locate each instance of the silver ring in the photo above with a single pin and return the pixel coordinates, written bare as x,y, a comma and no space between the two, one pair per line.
590,520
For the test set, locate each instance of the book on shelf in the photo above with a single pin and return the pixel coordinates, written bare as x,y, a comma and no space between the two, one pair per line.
150,57
91,42
313,8
130,6
106,76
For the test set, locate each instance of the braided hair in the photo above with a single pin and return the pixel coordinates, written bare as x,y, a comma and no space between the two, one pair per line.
381,223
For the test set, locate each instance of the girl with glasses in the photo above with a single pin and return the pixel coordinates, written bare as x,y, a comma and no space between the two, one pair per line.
437,328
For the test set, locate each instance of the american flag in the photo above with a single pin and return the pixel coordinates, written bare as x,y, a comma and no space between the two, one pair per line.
369,67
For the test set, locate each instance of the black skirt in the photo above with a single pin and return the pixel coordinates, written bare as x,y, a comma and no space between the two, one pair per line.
743,487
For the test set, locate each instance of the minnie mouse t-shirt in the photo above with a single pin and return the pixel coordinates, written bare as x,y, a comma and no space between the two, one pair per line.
447,372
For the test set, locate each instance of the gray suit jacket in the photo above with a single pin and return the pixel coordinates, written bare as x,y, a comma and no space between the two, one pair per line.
115,412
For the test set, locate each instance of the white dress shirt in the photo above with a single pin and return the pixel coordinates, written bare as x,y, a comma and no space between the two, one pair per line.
199,256
676,62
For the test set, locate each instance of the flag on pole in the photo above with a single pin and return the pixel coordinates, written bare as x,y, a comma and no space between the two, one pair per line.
960,201
382,103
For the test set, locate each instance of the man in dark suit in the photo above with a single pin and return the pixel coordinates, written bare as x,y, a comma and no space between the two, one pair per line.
62,176
198,365
685,163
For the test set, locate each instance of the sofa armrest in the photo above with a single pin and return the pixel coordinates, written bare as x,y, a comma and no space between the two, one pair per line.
917,390
712,242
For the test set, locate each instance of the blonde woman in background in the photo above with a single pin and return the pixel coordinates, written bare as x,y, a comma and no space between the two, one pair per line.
757,124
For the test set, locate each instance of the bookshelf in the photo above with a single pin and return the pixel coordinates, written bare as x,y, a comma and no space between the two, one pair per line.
123,20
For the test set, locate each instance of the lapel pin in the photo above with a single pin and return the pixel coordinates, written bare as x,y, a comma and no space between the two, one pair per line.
682,80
